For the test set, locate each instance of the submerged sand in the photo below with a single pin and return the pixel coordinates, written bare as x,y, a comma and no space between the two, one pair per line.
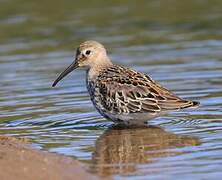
19,161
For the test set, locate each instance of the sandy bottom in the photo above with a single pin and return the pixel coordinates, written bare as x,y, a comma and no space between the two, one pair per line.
19,161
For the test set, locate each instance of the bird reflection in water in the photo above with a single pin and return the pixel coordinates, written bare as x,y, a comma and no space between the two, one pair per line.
119,150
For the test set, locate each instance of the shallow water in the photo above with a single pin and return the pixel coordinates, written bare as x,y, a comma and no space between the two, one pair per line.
178,43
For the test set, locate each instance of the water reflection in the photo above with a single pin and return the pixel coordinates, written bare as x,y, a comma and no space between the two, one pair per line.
119,150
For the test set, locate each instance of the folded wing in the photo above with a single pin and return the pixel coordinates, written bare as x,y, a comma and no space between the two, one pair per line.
127,91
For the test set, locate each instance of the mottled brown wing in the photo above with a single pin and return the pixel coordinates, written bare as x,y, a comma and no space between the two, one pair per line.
122,90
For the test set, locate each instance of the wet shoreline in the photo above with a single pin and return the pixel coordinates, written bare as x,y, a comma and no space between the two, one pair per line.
18,160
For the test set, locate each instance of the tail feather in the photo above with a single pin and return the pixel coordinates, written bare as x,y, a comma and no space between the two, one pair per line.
190,104
178,104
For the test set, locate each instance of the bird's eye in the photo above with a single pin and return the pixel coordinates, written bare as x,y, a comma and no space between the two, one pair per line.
88,52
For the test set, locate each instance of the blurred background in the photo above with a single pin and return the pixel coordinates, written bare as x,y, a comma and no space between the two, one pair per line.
178,43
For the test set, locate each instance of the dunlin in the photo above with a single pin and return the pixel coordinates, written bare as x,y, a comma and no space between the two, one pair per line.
121,94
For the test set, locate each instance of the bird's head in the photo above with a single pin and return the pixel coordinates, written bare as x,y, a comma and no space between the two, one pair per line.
89,54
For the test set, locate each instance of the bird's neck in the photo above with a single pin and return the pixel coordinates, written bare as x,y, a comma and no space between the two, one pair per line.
94,70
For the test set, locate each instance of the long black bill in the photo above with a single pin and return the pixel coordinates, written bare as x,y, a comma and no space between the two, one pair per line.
73,66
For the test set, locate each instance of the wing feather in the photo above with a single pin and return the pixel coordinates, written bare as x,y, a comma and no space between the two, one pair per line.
122,90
